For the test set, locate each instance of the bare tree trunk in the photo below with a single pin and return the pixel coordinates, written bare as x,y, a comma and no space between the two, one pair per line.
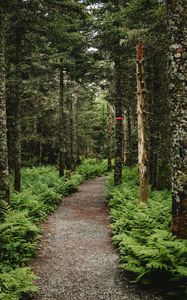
119,111
17,127
109,125
68,131
142,124
40,153
61,126
4,174
177,14
74,153
127,138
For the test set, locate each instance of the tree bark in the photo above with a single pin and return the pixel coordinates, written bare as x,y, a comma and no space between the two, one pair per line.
119,112
61,126
109,129
68,130
17,107
127,138
159,120
142,124
4,173
177,23
74,150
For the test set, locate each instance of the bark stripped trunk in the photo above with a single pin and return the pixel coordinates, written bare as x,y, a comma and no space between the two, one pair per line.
177,14
119,112
109,133
142,124
17,107
4,174
61,126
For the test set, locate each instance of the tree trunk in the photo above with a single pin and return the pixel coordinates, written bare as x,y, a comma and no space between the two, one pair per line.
109,125
74,133
177,14
61,126
68,130
4,174
119,112
159,120
142,124
17,127
127,138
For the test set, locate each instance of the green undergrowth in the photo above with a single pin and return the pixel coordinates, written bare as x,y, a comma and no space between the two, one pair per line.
42,191
142,234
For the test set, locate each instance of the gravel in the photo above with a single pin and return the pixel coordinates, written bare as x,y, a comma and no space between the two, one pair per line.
76,259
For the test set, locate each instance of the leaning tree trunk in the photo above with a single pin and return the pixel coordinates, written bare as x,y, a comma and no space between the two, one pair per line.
61,126
142,123
4,176
177,14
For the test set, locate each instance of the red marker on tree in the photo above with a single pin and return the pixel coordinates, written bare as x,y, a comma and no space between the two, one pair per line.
119,118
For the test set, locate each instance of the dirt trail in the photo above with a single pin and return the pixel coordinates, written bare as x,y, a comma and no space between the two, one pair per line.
76,259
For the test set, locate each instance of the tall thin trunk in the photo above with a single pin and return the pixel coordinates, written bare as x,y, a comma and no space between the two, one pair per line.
61,126
127,138
68,131
4,174
119,112
74,133
142,123
40,153
177,15
109,134
17,107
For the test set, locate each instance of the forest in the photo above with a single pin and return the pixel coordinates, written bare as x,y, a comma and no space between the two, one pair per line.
94,89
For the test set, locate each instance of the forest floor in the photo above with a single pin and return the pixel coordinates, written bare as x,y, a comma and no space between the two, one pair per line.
76,259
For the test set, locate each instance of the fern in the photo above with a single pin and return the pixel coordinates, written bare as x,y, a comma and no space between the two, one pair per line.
142,234
4,209
15,283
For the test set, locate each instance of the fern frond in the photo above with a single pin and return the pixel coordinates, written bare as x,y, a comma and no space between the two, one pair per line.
4,209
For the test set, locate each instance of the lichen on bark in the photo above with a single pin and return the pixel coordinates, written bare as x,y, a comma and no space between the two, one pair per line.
177,23
4,176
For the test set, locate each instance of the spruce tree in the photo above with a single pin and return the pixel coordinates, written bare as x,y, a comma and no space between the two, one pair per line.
177,17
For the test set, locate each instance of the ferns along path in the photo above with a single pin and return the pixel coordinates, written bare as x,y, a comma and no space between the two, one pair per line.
76,258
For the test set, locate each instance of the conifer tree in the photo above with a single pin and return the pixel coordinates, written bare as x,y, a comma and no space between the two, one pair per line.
4,175
177,17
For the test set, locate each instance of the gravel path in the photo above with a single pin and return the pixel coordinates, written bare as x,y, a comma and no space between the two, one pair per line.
76,259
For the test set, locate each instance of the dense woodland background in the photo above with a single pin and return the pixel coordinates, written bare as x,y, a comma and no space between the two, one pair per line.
96,79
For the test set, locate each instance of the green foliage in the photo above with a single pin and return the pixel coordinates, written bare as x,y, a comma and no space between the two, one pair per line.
15,283
92,168
142,232
4,209
42,191
18,237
